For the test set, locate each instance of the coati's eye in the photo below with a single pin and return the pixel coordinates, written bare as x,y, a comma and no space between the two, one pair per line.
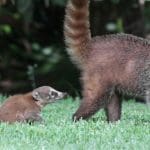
54,94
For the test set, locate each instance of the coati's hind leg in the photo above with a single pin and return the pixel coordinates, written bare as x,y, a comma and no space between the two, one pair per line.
94,96
113,109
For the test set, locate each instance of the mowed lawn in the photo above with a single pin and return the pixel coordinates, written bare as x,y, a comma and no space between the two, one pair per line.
58,132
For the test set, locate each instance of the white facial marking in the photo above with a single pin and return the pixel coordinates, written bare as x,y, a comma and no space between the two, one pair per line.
36,93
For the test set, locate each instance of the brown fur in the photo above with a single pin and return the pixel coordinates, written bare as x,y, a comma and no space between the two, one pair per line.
76,30
111,65
20,108
27,107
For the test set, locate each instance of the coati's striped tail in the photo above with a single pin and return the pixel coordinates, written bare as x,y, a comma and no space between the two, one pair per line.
76,30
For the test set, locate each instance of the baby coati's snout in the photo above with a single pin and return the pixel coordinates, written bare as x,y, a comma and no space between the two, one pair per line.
46,94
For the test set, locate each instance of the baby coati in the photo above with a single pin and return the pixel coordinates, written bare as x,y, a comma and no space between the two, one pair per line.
27,107
111,65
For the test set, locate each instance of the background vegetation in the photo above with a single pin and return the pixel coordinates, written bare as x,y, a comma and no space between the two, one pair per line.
32,50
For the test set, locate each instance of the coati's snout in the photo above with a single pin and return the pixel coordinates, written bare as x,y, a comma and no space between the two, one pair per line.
47,94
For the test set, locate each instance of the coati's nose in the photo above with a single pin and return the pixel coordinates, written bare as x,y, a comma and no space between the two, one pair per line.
65,95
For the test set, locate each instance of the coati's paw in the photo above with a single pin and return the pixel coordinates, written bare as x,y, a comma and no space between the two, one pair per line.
76,117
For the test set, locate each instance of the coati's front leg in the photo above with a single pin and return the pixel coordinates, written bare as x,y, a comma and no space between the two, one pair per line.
94,98
33,116
29,116
113,109
86,109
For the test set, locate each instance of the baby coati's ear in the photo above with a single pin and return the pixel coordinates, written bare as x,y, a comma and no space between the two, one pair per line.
47,94
35,95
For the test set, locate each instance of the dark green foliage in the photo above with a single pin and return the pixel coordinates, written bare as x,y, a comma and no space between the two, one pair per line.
31,34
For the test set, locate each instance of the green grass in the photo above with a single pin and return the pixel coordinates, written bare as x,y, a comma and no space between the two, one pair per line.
58,132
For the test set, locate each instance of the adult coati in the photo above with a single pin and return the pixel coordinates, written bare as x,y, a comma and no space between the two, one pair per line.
111,65
27,107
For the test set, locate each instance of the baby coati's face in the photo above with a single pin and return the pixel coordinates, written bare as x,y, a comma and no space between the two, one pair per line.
47,94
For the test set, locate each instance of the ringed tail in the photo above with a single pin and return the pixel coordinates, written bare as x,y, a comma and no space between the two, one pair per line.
77,30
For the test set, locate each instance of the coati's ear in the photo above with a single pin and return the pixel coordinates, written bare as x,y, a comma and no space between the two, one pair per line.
35,95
